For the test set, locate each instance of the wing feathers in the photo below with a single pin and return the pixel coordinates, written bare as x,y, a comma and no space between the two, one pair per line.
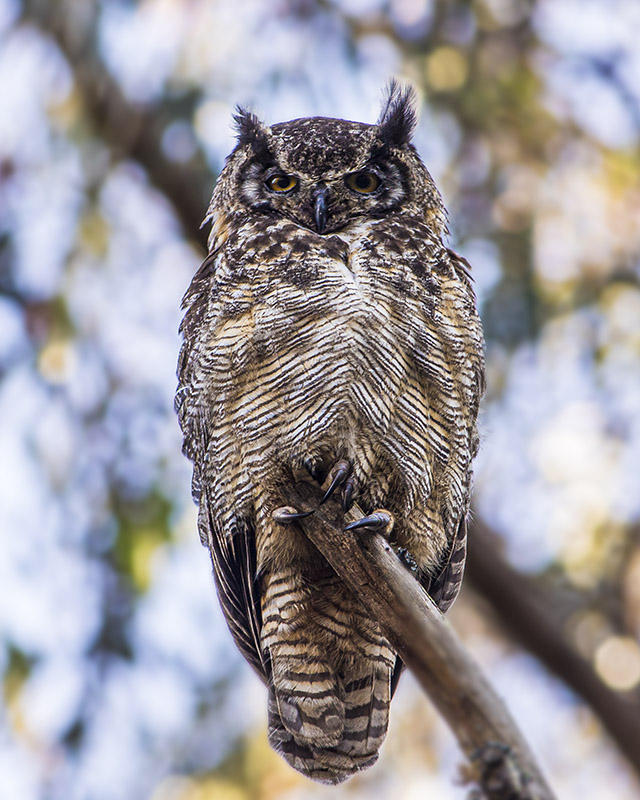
233,555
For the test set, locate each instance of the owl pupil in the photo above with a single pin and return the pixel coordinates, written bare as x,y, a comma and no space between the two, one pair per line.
363,181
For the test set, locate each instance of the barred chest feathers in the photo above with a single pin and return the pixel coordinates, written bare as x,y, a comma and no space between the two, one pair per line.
314,354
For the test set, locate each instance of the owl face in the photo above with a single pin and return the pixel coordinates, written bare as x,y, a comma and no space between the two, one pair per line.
323,174
335,173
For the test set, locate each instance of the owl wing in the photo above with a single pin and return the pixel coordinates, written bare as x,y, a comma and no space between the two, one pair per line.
232,546
233,554
444,587
191,415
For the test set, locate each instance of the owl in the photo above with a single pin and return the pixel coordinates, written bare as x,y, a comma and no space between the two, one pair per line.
329,334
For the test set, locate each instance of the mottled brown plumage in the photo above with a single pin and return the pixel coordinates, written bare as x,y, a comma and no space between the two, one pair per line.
327,325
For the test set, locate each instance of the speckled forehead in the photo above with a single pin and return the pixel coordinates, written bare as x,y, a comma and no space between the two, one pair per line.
321,147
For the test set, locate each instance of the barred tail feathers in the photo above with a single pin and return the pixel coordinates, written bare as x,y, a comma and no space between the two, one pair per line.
330,682
361,703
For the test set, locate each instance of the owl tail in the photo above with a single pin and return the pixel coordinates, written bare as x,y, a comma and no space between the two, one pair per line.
360,701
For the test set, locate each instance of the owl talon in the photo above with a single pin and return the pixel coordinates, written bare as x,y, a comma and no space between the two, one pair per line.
338,476
380,521
288,514
347,493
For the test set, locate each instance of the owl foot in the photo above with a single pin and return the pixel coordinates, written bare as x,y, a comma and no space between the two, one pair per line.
337,476
341,476
288,514
380,521
348,491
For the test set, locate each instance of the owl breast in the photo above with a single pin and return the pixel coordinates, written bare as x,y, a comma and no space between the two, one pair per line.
320,354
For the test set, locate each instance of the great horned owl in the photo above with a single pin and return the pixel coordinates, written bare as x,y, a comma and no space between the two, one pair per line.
331,332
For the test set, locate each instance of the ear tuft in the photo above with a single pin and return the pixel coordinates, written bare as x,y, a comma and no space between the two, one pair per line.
398,117
250,130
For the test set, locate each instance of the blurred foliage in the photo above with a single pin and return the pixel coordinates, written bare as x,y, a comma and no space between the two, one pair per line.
120,680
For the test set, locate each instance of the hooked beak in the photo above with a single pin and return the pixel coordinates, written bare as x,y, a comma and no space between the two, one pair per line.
320,207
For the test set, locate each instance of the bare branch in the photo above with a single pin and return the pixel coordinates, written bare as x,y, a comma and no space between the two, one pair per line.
499,758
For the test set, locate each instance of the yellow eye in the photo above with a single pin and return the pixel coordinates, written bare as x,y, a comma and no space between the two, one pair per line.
282,183
363,182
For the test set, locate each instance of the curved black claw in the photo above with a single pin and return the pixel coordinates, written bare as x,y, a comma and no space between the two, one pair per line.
380,521
347,493
339,475
288,514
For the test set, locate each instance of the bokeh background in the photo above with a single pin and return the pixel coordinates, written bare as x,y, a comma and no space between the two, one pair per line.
120,680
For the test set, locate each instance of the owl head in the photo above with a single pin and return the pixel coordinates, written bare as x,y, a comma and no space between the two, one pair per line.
325,174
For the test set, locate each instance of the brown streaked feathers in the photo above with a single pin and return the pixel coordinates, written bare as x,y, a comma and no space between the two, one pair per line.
344,346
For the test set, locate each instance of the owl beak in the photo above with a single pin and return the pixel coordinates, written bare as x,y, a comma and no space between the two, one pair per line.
320,207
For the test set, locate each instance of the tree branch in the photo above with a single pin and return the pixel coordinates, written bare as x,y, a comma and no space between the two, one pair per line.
499,758
525,612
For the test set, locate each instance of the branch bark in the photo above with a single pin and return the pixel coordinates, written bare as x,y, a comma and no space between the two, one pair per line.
499,758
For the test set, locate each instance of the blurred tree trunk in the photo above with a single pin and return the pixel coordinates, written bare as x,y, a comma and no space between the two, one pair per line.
527,612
